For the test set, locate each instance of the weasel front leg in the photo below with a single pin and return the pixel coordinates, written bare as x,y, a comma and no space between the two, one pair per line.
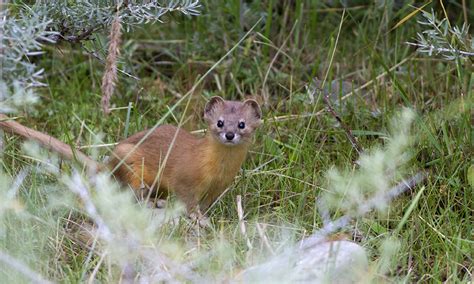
200,219
161,203
189,189
195,214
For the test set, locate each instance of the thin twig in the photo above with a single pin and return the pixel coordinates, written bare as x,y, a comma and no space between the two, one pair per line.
60,36
442,49
346,128
102,61
77,38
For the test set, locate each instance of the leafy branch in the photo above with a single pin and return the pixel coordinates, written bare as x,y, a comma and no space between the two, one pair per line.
26,29
78,20
21,39
441,38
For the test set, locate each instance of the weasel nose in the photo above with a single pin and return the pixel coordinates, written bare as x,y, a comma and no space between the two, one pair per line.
229,136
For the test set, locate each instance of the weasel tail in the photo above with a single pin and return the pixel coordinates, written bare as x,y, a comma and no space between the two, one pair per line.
47,141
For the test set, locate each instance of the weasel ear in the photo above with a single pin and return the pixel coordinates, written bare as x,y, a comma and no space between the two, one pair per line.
211,106
255,108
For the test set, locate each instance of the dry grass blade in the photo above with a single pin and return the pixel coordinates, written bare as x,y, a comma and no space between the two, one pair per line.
263,236
264,90
410,15
464,11
240,213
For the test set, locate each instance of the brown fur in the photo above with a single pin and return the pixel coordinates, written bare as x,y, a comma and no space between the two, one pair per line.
197,170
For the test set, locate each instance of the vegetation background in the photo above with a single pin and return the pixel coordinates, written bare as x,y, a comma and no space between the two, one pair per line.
352,47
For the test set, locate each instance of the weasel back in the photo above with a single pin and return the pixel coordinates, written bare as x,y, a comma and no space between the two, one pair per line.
151,163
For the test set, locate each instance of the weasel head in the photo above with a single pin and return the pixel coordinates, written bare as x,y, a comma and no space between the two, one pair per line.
231,122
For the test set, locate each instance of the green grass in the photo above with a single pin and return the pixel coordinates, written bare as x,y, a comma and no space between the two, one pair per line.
436,234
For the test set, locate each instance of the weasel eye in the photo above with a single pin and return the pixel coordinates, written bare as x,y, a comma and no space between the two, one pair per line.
241,125
220,123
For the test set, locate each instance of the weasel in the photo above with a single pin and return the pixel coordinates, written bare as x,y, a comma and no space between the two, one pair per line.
170,159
